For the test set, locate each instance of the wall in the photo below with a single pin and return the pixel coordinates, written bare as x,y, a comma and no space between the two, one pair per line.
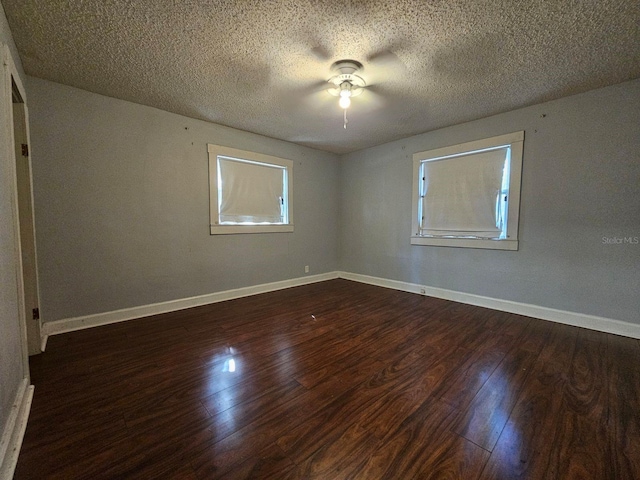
11,367
122,206
580,183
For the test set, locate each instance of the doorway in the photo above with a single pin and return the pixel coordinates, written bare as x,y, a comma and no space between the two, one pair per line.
26,221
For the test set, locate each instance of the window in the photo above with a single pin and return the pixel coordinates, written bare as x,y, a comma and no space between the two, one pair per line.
468,195
249,192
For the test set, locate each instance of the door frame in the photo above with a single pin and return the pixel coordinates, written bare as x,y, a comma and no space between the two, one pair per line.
11,77
26,220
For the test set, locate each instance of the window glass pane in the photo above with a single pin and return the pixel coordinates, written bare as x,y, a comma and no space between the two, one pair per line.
250,192
461,194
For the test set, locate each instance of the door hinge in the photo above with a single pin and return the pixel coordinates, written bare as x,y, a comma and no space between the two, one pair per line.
25,150
36,314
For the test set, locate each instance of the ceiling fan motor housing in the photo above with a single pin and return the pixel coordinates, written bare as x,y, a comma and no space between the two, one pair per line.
347,69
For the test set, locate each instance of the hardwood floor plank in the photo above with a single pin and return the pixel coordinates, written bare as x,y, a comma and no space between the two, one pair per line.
527,443
65,445
305,438
482,422
516,325
271,463
623,417
228,451
340,457
552,431
586,392
413,375
426,337
535,335
461,387
151,451
389,412
557,352
326,368
255,411
223,456
424,447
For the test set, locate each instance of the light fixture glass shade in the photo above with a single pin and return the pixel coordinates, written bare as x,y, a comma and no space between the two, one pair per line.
345,94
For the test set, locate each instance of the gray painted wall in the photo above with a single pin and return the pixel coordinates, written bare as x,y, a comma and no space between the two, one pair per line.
11,368
122,206
580,183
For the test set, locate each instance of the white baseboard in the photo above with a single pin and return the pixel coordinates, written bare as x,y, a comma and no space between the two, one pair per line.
43,340
88,321
591,322
13,432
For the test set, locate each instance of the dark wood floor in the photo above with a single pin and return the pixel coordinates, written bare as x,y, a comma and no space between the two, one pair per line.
335,380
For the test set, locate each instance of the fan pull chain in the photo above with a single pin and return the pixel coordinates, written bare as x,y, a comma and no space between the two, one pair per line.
345,119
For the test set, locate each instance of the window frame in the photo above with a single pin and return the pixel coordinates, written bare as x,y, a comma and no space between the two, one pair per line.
513,140
215,228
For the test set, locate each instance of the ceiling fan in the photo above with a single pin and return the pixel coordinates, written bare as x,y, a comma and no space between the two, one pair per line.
346,79
348,82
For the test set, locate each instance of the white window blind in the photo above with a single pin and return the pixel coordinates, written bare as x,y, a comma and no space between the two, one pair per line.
461,195
250,192
468,195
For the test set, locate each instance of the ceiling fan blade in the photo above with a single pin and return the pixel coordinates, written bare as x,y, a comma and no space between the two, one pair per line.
377,90
298,91
310,93
320,53
317,86
373,98
383,66
316,47
387,59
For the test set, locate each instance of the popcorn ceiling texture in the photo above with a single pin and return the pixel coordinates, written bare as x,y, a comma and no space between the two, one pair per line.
260,65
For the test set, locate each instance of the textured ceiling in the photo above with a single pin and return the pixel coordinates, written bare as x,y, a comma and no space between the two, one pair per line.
260,65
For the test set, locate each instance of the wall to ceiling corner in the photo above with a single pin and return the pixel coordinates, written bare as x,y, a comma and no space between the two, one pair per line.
122,207
6,37
580,187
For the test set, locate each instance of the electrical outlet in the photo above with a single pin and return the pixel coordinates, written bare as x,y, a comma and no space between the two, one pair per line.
306,269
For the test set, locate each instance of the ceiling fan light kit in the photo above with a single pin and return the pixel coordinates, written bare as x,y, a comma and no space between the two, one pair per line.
346,84
345,95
